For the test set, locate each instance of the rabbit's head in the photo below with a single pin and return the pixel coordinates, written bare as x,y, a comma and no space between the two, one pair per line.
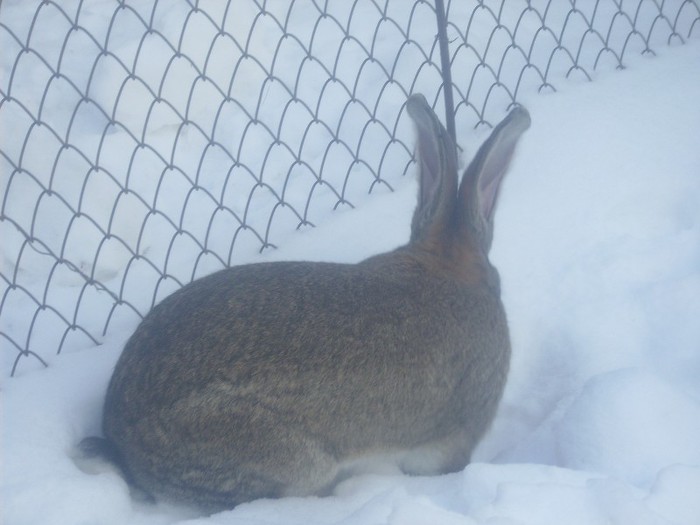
454,221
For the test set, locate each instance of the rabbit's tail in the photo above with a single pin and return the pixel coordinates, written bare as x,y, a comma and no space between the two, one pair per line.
95,455
93,449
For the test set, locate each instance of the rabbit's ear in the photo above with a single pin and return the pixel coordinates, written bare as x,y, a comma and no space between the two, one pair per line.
438,172
482,179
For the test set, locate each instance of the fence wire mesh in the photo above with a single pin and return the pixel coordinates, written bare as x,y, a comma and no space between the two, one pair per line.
147,143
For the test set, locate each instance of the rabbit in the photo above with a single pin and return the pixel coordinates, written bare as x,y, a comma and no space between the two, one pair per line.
280,379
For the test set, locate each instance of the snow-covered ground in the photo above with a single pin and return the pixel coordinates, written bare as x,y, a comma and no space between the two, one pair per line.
598,246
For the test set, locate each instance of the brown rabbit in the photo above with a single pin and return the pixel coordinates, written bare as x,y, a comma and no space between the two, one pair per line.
277,379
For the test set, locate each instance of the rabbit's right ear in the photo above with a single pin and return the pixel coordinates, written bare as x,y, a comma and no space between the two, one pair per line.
437,181
478,192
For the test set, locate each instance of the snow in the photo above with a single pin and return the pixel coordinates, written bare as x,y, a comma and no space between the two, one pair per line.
597,243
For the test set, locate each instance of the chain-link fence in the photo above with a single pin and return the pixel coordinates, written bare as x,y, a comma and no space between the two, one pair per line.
147,143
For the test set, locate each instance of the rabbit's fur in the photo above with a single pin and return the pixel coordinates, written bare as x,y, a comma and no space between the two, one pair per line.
274,379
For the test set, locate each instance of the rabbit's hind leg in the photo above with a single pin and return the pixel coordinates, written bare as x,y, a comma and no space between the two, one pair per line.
308,469
285,464
218,457
295,468
290,459
448,454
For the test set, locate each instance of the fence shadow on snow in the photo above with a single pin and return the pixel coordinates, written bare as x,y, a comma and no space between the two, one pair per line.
145,144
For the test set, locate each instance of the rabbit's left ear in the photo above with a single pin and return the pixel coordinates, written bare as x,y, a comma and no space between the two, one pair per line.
482,179
437,157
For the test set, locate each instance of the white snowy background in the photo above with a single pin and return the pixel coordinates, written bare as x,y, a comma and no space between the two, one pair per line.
598,246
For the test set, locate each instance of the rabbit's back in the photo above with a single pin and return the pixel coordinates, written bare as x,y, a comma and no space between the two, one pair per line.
348,357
